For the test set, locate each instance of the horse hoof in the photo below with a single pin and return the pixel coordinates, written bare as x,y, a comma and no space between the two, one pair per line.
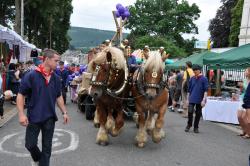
97,125
102,143
114,132
113,135
141,144
156,139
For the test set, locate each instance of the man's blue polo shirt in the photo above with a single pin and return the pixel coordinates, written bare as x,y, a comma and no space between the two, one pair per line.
41,97
196,88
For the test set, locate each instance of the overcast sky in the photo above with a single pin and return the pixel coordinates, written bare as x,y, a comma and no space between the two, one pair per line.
97,14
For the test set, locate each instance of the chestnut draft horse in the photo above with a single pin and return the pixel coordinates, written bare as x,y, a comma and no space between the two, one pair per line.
109,79
150,84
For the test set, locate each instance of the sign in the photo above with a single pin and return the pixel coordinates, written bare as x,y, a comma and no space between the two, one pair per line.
200,44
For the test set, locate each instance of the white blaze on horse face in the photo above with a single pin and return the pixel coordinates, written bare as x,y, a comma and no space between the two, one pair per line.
151,91
93,78
154,74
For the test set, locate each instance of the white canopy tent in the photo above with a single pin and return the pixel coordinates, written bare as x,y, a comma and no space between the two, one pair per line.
11,37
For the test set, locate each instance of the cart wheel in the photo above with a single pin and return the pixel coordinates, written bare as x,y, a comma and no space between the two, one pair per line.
89,113
89,109
80,103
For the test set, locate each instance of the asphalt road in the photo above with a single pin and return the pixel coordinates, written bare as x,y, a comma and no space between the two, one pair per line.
74,145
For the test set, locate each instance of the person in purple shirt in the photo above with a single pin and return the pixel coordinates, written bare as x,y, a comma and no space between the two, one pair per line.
197,97
43,90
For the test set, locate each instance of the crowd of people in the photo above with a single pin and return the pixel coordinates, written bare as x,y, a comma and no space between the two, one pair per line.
188,94
188,91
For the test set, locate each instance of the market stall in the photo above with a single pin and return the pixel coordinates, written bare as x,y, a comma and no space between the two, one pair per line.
232,63
221,110
195,59
12,46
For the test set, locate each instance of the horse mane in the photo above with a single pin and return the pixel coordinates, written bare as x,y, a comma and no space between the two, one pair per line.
154,61
117,57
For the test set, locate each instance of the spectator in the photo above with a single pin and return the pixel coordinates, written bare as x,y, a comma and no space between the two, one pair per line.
63,74
14,81
177,94
1,99
188,73
197,97
172,87
242,115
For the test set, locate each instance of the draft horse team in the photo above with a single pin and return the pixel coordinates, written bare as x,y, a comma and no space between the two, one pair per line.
111,83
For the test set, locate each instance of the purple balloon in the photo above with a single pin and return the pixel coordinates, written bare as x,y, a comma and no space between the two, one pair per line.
121,10
126,14
117,14
126,9
118,5
123,17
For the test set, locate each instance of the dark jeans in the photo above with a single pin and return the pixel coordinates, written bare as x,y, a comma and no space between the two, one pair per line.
64,94
1,106
198,114
31,140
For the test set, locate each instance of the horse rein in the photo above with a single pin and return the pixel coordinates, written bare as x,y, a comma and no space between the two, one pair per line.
104,84
94,75
141,84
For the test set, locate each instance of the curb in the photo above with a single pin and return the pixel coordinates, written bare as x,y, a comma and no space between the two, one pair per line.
8,116
231,128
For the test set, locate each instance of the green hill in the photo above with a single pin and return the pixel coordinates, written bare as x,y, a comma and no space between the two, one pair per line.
88,37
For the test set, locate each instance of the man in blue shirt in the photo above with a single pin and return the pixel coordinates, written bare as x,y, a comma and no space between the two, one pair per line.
132,64
63,74
197,97
43,89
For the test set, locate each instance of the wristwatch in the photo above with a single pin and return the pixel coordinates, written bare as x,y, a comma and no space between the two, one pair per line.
64,113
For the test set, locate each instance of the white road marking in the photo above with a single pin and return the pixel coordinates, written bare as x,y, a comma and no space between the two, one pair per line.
73,145
57,144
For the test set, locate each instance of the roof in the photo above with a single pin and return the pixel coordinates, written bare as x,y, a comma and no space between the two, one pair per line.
236,58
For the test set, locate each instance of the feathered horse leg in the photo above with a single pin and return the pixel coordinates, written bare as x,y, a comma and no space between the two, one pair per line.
102,135
141,136
158,132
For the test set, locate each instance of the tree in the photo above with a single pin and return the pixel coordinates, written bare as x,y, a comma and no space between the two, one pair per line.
7,12
219,26
163,18
235,24
47,23
18,17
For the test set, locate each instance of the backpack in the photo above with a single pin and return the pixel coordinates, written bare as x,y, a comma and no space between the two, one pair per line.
185,86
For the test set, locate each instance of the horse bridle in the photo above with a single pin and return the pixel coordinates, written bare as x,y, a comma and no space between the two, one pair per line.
104,85
98,83
142,84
